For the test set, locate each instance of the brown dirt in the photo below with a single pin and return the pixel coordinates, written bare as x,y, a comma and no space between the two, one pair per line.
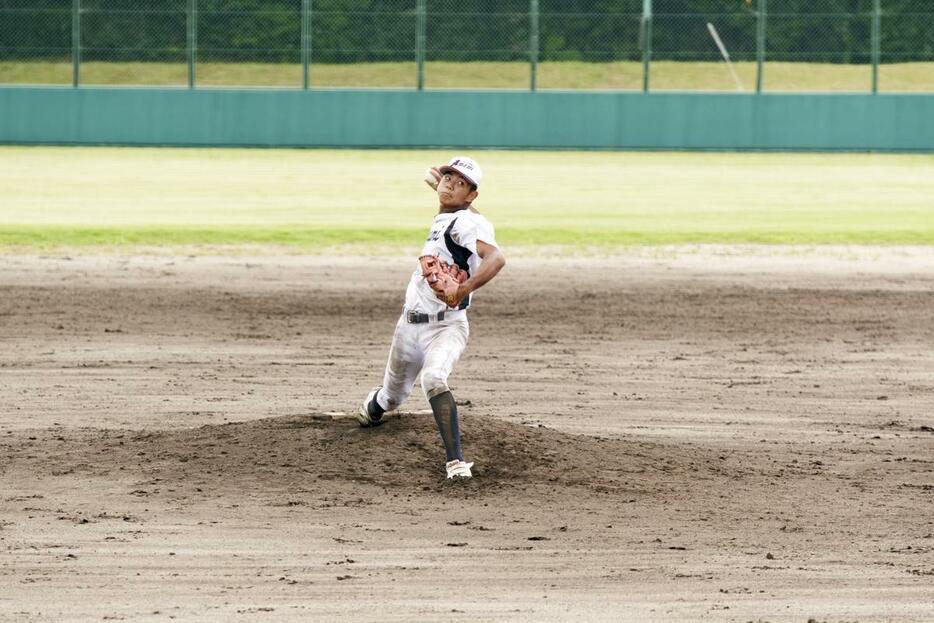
656,439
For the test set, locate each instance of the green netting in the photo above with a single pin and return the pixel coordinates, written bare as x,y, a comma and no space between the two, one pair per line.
598,44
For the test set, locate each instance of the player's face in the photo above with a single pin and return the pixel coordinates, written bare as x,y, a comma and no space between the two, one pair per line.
454,190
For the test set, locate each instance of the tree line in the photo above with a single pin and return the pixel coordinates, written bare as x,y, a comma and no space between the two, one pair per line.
348,31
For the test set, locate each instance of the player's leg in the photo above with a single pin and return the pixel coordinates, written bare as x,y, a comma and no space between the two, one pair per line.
447,342
405,360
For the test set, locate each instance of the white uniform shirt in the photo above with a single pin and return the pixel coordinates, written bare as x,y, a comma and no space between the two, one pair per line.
453,239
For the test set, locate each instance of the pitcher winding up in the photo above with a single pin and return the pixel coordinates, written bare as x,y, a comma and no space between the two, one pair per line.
459,257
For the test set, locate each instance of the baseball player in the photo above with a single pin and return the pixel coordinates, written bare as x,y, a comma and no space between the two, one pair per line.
459,256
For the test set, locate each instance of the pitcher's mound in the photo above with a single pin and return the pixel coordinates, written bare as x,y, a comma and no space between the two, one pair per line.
326,452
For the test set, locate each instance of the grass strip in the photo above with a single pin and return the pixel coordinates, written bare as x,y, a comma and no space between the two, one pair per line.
319,238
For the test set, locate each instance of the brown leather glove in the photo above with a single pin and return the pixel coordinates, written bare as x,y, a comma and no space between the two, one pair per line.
443,278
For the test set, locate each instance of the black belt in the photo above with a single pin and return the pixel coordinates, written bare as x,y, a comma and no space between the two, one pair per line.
414,317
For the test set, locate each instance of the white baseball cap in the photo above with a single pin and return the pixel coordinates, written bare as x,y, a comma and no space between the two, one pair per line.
467,167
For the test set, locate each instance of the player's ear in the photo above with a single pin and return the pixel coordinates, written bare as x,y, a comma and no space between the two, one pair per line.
472,196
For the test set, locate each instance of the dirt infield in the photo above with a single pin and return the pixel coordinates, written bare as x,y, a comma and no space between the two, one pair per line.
659,436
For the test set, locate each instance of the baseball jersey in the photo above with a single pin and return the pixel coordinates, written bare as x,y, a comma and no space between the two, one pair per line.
453,239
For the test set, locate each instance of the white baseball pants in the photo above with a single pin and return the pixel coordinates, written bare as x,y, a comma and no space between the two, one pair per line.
426,350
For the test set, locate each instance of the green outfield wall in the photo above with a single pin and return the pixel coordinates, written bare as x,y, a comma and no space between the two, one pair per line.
508,119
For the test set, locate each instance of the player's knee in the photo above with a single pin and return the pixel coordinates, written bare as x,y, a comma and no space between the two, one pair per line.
434,382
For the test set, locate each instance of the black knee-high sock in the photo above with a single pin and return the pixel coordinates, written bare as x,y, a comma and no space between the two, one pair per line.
445,412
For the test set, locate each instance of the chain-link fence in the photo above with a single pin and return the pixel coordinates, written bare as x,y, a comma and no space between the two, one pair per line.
748,45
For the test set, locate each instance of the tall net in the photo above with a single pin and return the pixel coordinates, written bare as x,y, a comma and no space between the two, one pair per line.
36,41
825,48
713,45
248,43
907,45
588,45
704,44
353,45
133,43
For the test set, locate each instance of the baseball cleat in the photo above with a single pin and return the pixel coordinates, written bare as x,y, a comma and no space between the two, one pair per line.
363,413
458,469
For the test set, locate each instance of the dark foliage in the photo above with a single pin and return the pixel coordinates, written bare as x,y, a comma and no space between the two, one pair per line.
386,30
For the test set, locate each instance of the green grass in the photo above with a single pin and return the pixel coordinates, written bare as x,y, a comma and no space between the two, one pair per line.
316,199
665,75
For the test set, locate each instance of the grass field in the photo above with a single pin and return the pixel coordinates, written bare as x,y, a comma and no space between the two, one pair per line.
315,199
665,75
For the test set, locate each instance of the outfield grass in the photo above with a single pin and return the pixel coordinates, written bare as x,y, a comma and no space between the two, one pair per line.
54,196
665,75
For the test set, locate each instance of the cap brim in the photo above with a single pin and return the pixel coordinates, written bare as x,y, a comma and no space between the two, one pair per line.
447,169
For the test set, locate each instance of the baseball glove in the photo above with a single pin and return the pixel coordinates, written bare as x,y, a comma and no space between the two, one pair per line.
443,278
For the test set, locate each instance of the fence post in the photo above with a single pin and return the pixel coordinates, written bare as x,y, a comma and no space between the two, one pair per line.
192,40
75,43
533,43
646,43
421,24
760,42
876,42
306,40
